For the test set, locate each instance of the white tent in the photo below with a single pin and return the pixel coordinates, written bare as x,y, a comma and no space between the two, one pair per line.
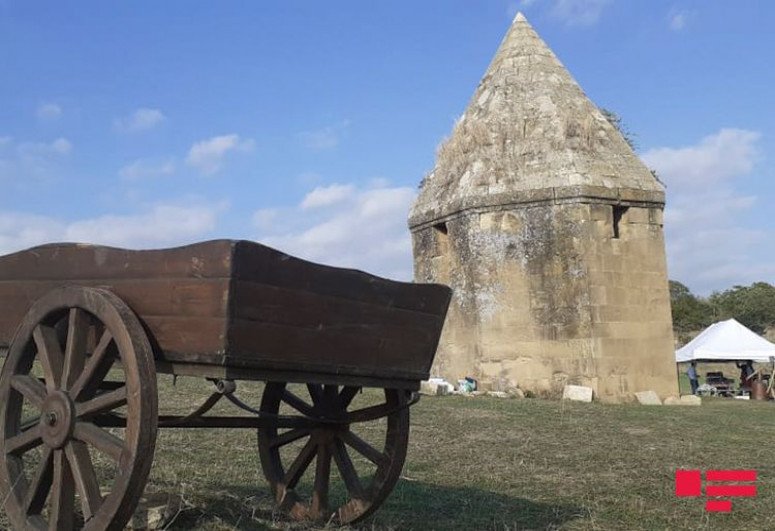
726,340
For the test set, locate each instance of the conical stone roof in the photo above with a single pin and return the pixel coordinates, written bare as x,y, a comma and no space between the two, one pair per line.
530,134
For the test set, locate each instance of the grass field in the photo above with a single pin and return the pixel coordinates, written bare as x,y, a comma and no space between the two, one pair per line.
486,463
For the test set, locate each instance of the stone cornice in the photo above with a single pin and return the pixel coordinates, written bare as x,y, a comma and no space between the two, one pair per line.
525,198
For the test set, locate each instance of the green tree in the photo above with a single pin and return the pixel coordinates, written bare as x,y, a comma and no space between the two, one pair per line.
690,313
753,306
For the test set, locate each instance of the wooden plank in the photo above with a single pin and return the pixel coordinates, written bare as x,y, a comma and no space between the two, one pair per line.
195,337
147,297
257,263
235,371
245,306
373,348
70,261
159,297
273,305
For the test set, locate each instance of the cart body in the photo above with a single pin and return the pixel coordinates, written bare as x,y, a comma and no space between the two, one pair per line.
239,309
86,329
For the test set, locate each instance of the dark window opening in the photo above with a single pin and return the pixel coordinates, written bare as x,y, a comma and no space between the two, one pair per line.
441,227
618,212
441,239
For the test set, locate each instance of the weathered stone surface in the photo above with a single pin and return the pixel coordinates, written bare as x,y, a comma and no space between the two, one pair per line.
428,388
578,393
516,392
549,230
648,398
684,400
690,400
155,511
436,387
530,128
499,394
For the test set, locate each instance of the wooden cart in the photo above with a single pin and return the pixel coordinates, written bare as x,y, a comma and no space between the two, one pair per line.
87,329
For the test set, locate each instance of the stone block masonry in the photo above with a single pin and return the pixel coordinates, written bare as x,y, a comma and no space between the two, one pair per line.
549,230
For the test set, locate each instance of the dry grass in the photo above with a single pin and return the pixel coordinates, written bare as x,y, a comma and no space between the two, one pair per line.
486,463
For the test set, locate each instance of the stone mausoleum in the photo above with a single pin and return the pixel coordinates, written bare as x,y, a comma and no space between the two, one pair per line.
549,229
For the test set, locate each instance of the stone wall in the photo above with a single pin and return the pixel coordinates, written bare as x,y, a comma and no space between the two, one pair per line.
550,294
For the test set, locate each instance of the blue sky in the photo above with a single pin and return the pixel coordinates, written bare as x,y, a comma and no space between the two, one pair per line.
308,125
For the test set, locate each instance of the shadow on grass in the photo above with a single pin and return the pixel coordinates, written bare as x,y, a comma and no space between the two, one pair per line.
417,505
412,505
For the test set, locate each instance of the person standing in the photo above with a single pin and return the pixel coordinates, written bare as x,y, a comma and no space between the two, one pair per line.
691,372
746,375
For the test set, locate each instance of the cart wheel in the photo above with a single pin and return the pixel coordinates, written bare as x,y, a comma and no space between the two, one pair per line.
52,385
369,463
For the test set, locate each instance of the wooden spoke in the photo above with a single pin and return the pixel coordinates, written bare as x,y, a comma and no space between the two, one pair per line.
76,334
333,440
347,394
29,423
331,395
95,370
100,439
370,413
85,478
298,404
102,403
40,484
319,506
316,394
347,470
288,437
75,347
364,448
25,441
62,508
30,388
50,355
300,465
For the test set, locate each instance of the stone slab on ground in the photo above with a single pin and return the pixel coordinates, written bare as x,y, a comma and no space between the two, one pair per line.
684,400
578,393
155,511
428,388
648,398
516,392
690,400
499,394
436,387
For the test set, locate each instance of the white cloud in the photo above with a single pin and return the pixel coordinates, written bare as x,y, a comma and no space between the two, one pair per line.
578,12
362,228
207,155
140,120
678,18
19,230
677,21
265,219
60,146
157,226
722,156
708,246
141,169
22,161
48,111
325,138
327,195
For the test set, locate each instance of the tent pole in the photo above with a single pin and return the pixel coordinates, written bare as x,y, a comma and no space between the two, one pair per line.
678,378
